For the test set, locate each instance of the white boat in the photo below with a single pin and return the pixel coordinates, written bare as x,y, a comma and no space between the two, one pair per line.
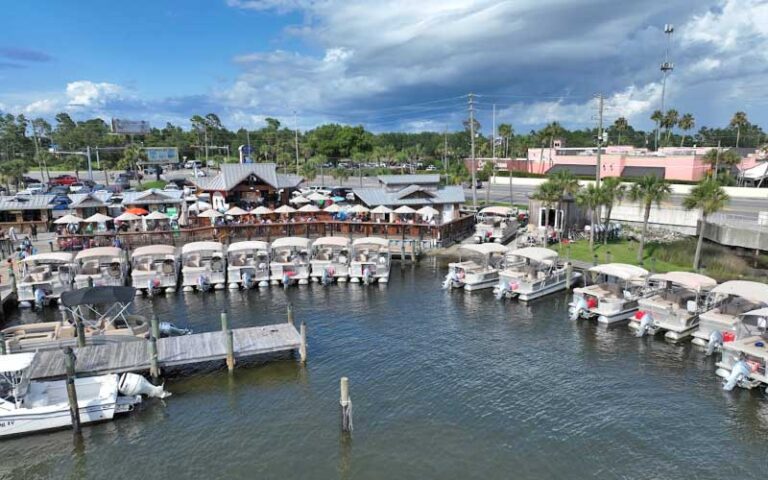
370,260
101,267
613,295
744,358
533,272
203,266
289,261
248,264
155,268
675,307
480,271
728,301
330,261
44,276
28,407
496,224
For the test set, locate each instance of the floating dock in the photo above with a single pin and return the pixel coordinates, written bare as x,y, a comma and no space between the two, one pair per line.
135,356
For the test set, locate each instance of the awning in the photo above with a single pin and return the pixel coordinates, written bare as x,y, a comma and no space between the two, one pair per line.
97,296
576,169
640,172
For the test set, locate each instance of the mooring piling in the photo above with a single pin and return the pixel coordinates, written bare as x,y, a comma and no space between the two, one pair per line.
346,405
74,411
154,366
3,351
568,275
303,345
230,341
290,313
155,323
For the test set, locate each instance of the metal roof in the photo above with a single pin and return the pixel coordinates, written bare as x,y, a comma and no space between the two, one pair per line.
373,196
232,174
408,179
152,196
576,169
639,172
94,199
27,202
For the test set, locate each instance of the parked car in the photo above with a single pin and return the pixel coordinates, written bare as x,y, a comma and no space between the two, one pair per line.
431,168
123,183
200,173
77,187
190,164
66,180
130,175
59,190
172,187
28,180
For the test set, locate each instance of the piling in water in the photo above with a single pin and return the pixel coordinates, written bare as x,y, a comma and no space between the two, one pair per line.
154,366
155,323
346,405
290,313
303,345
568,275
74,412
229,341
80,328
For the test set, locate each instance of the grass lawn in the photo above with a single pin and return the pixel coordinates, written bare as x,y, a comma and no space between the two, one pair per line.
159,184
624,251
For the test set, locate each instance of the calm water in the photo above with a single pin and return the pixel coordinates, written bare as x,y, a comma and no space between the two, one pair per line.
444,385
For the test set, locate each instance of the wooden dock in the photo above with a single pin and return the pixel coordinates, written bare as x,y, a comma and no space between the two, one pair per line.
134,356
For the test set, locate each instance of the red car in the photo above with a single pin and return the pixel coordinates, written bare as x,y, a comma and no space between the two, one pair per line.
65,180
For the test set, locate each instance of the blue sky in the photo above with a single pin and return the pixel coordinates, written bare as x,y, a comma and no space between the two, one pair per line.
390,65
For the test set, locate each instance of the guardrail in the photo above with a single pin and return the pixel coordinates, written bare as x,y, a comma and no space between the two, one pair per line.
738,221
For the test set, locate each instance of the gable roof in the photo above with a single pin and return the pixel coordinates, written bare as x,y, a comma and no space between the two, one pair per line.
27,202
84,200
408,179
152,197
232,174
374,196
411,189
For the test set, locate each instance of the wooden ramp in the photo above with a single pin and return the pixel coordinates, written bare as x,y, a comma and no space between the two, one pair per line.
133,356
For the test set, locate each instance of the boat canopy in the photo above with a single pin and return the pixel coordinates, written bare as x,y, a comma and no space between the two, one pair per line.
506,211
753,291
485,248
299,242
16,362
760,312
202,246
691,280
332,241
53,256
620,270
538,254
248,245
371,241
154,250
97,295
99,252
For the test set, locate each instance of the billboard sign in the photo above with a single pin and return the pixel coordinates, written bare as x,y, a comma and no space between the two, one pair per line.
130,127
162,155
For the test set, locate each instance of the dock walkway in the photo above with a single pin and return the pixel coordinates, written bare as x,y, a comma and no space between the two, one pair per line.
134,356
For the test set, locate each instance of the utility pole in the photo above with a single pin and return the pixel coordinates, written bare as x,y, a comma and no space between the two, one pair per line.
473,167
493,141
717,160
445,152
248,142
88,155
666,68
37,153
296,140
599,136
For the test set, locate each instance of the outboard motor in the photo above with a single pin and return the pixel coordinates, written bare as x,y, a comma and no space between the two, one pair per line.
327,277
131,384
203,284
153,286
167,329
450,278
367,276
248,280
576,307
739,372
500,291
39,298
646,321
715,341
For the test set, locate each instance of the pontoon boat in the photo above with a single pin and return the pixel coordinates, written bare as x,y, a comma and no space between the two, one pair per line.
496,224
370,260
289,259
203,266
533,272
330,259
44,276
744,358
481,271
248,264
101,267
613,295
155,269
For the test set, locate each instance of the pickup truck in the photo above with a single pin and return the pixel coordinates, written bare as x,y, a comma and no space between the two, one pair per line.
65,180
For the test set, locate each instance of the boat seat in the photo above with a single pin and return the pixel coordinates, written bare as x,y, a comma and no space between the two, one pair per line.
66,331
238,260
144,266
193,260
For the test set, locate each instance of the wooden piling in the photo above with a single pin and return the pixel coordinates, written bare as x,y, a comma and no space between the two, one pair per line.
154,367
80,329
290,313
608,256
568,275
346,405
594,260
3,351
303,345
155,323
74,411
229,340
90,281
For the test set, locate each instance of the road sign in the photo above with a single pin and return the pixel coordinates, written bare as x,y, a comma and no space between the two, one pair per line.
130,127
162,155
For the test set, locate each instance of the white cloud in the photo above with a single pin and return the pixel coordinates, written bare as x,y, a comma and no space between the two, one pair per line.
84,93
45,106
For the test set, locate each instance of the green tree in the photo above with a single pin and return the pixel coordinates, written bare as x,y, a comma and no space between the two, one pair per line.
548,193
686,123
590,198
722,162
620,125
132,155
709,197
613,191
648,191
505,133
567,186
340,174
657,116
669,122
738,121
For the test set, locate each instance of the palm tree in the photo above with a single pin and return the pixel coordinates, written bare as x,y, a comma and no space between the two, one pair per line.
621,124
648,190
613,191
739,120
590,198
669,121
130,160
506,132
709,197
308,170
687,122
567,186
340,174
552,130
722,161
548,193
657,116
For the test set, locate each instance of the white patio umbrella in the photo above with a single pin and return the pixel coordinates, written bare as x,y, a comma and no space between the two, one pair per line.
317,197
427,211
359,209
334,208
236,211
404,210
67,219
381,209
309,208
127,217
211,213
98,218
200,205
156,216
299,200
261,210
285,209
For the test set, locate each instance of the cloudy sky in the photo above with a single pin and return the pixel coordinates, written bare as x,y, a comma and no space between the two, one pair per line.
390,65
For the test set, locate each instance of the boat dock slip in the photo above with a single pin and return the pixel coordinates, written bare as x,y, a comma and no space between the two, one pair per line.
134,356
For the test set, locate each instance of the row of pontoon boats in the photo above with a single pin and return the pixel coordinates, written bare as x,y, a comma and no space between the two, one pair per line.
206,265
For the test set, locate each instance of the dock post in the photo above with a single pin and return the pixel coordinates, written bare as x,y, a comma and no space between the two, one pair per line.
568,275
12,279
155,323
90,281
594,261
230,341
290,313
74,411
608,256
3,351
303,345
50,244
346,406
154,366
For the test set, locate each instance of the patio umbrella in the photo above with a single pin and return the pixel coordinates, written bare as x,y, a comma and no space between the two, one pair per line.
261,210
236,211
427,211
98,218
333,208
299,200
359,209
67,219
285,209
211,213
127,217
184,216
381,209
317,197
309,208
199,206
137,211
156,216
404,209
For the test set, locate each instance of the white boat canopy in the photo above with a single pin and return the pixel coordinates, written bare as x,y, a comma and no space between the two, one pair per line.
620,270
371,241
261,210
154,250
537,254
299,242
52,256
248,245
485,248
506,211
202,247
16,362
760,312
752,291
67,219
332,241
99,252
333,208
691,280
98,218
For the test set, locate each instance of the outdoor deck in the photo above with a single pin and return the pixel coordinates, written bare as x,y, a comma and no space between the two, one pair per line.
133,356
